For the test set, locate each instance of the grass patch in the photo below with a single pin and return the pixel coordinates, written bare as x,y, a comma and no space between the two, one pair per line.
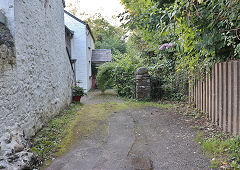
46,142
224,151
141,104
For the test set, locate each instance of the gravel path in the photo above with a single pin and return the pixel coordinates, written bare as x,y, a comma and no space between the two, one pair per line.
146,139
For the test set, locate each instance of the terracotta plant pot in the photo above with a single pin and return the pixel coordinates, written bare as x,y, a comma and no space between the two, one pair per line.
76,98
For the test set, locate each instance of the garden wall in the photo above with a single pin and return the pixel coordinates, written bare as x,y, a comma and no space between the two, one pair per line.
219,96
35,72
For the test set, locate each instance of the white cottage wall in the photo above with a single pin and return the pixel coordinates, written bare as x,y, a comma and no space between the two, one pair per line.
90,47
39,84
78,50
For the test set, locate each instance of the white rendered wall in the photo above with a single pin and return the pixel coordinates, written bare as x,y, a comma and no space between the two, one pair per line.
79,51
90,47
39,85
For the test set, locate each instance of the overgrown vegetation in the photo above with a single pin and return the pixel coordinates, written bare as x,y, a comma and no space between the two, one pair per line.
105,76
47,142
176,40
121,76
191,34
224,150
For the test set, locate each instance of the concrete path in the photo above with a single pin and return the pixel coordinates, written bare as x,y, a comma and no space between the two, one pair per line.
146,139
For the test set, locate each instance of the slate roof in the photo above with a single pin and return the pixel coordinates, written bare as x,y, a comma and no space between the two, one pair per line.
101,55
84,23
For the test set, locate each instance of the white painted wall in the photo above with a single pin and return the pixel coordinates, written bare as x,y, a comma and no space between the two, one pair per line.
80,42
39,85
90,47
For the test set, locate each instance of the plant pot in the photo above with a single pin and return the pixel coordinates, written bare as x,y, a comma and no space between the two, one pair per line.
76,98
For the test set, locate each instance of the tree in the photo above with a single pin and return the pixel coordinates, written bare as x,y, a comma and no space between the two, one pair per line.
203,32
106,35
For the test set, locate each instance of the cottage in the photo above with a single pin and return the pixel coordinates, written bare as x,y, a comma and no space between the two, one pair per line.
82,45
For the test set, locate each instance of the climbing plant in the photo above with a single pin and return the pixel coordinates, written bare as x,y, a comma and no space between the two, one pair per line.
201,32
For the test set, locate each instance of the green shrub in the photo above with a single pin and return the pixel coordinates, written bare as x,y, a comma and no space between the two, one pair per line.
124,74
78,91
105,76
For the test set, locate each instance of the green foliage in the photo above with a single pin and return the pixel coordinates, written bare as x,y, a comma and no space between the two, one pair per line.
78,91
124,74
105,76
106,35
119,74
204,32
47,141
222,149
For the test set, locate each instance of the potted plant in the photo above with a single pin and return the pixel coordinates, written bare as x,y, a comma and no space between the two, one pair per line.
77,93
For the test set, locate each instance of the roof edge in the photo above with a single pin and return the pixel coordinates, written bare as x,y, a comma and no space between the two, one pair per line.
89,29
68,30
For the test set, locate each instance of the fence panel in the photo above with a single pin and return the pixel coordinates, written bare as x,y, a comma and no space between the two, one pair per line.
218,95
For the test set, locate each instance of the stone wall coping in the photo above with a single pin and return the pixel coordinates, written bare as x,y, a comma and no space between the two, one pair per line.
141,71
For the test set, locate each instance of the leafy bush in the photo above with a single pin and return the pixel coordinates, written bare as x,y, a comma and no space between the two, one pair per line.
105,76
78,91
124,74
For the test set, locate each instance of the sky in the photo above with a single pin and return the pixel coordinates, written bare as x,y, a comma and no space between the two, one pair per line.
107,8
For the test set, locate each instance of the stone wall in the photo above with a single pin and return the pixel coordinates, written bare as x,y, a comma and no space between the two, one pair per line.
36,77
143,86
7,48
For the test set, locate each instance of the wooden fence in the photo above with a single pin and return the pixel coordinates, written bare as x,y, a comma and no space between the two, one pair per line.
218,95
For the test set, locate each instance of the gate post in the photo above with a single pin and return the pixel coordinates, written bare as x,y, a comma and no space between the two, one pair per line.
143,86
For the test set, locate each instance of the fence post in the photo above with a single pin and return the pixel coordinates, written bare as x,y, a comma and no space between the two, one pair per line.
230,86
220,103
235,97
225,96
213,94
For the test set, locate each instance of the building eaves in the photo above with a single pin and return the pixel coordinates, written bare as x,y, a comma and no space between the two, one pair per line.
68,30
89,29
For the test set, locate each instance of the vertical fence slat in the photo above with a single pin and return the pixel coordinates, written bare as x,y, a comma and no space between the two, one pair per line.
220,93
195,93
213,94
216,94
235,98
210,97
193,99
238,99
199,98
225,95
206,95
200,94
190,94
230,97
